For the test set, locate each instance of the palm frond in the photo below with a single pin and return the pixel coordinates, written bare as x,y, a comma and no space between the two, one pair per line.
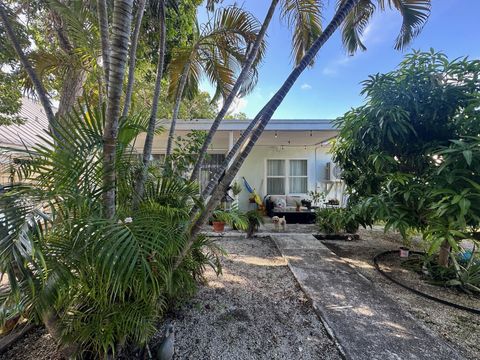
415,14
355,24
304,17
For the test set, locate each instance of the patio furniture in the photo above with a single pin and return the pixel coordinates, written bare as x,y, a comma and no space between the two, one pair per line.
296,217
285,203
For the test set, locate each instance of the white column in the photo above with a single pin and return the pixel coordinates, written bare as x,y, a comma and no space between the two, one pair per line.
230,144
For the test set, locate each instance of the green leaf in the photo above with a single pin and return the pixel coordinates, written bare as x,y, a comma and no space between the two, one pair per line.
467,154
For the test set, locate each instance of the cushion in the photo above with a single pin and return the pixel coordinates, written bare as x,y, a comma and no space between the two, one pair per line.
292,200
280,203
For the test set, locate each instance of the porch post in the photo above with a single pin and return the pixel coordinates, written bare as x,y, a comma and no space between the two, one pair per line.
230,144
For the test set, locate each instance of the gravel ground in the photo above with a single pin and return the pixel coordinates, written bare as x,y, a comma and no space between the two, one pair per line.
255,310
35,345
459,327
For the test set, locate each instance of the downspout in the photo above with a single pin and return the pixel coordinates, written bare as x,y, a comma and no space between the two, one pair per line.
315,172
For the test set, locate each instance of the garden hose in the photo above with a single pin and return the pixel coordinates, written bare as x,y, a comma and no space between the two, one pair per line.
430,297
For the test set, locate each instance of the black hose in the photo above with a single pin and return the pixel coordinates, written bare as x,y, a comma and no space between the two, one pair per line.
430,297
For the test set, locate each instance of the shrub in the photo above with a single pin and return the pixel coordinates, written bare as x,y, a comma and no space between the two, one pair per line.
97,284
255,219
336,220
407,154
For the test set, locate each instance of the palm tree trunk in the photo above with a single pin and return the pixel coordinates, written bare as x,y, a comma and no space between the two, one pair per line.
52,323
176,108
39,89
240,80
122,18
102,13
133,57
274,103
72,89
147,147
75,75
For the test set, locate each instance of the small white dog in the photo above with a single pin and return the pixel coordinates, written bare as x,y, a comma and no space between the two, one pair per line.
279,221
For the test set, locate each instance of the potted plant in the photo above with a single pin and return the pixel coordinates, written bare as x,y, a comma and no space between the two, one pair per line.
254,219
404,251
236,188
219,219
232,217
317,197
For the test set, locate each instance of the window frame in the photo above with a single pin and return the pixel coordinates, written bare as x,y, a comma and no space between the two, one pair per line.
287,175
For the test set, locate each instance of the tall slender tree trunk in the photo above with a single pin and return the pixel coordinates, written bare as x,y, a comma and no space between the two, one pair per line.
72,89
133,57
276,100
176,107
102,13
122,19
39,89
147,147
75,75
231,97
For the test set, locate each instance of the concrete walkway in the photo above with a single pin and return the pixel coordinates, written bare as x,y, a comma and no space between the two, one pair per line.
365,322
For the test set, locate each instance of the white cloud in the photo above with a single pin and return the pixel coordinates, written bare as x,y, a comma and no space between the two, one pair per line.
306,86
333,68
329,71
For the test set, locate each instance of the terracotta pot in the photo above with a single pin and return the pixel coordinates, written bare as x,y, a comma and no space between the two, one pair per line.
404,252
218,226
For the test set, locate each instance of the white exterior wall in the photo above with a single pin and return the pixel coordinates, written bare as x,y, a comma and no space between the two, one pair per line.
254,167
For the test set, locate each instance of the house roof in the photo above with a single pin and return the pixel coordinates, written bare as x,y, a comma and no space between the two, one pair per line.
25,135
240,125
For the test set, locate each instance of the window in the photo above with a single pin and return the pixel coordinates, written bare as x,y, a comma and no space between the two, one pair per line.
278,182
276,177
298,179
209,167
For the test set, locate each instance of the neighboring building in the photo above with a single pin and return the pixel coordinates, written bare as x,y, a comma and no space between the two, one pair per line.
19,137
290,158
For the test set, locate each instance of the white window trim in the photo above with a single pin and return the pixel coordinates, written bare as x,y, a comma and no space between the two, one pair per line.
286,176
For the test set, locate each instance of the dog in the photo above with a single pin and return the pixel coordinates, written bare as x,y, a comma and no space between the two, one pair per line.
279,221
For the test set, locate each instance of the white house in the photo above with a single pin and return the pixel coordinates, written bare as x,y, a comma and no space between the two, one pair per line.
290,158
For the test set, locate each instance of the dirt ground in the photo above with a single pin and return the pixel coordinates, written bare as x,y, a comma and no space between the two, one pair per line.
255,310
459,327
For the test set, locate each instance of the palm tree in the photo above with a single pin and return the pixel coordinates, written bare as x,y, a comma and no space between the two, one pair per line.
133,56
122,18
102,13
216,51
415,14
147,147
305,17
345,8
81,268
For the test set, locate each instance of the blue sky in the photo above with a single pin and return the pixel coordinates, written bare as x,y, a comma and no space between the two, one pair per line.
332,87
